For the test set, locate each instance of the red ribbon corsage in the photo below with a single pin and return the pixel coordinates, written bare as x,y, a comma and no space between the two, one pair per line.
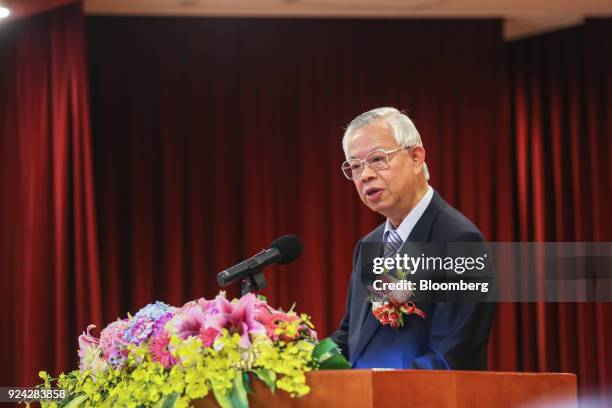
392,313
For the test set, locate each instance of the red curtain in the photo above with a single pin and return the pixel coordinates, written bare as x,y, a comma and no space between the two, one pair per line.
561,100
49,283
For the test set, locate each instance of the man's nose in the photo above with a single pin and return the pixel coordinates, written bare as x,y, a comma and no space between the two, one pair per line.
368,173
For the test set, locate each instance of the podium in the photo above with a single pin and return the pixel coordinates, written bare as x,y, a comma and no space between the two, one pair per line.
419,388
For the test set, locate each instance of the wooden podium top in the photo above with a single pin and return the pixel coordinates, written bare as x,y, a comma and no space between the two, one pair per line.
422,388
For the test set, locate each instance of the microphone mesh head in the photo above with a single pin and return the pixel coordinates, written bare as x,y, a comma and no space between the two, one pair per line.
289,247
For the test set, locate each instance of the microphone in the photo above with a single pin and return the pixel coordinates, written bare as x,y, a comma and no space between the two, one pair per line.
282,250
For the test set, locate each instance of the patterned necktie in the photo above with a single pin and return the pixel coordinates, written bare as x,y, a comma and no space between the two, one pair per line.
393,243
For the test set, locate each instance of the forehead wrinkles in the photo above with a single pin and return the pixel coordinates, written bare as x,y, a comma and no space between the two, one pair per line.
365,140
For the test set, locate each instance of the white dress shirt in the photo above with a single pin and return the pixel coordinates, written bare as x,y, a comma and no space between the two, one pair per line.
408,223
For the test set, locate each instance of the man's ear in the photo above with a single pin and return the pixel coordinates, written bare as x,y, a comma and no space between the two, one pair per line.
417,155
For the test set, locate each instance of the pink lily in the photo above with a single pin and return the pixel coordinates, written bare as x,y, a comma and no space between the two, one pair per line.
237,318
86,340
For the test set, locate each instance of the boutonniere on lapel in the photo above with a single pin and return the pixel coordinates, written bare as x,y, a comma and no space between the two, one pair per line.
389,307
391,313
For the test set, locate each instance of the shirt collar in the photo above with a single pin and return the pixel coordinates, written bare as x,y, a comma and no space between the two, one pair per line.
405,228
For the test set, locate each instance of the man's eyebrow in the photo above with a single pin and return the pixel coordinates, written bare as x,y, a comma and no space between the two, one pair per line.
371,150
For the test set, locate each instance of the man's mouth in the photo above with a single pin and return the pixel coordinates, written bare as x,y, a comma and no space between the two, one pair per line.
373,193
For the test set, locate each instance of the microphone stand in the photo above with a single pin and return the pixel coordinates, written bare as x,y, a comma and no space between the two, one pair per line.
253,281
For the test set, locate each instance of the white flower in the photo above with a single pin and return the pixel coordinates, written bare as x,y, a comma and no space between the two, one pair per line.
92,360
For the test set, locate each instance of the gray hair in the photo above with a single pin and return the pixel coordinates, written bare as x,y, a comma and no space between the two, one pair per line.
402,129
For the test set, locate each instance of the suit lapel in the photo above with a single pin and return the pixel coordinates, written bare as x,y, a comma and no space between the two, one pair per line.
368,325
421,232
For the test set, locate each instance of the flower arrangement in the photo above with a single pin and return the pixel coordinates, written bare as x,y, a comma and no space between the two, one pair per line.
166,356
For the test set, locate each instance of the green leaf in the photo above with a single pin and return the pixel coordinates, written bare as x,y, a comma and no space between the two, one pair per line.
327,354
236,398
168,401
247,382
262,298
268,377
335,362
221,397
238,394
76,401
325,346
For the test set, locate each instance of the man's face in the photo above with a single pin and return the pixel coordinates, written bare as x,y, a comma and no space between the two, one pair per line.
389,191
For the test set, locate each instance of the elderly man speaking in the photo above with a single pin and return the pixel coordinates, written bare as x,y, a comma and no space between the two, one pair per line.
386,162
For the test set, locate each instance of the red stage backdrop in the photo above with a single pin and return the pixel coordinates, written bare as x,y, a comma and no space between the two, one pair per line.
49,281
561,103
213,136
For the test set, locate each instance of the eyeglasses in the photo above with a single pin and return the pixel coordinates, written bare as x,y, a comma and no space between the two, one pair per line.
377,160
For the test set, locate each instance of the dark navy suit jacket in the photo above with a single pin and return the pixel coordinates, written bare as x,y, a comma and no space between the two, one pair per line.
453,336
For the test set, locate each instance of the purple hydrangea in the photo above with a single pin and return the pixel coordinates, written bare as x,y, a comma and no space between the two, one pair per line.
139,331
154,311
144,323
159,324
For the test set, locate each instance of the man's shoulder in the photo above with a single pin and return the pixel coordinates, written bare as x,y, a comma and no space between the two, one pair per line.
451,225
